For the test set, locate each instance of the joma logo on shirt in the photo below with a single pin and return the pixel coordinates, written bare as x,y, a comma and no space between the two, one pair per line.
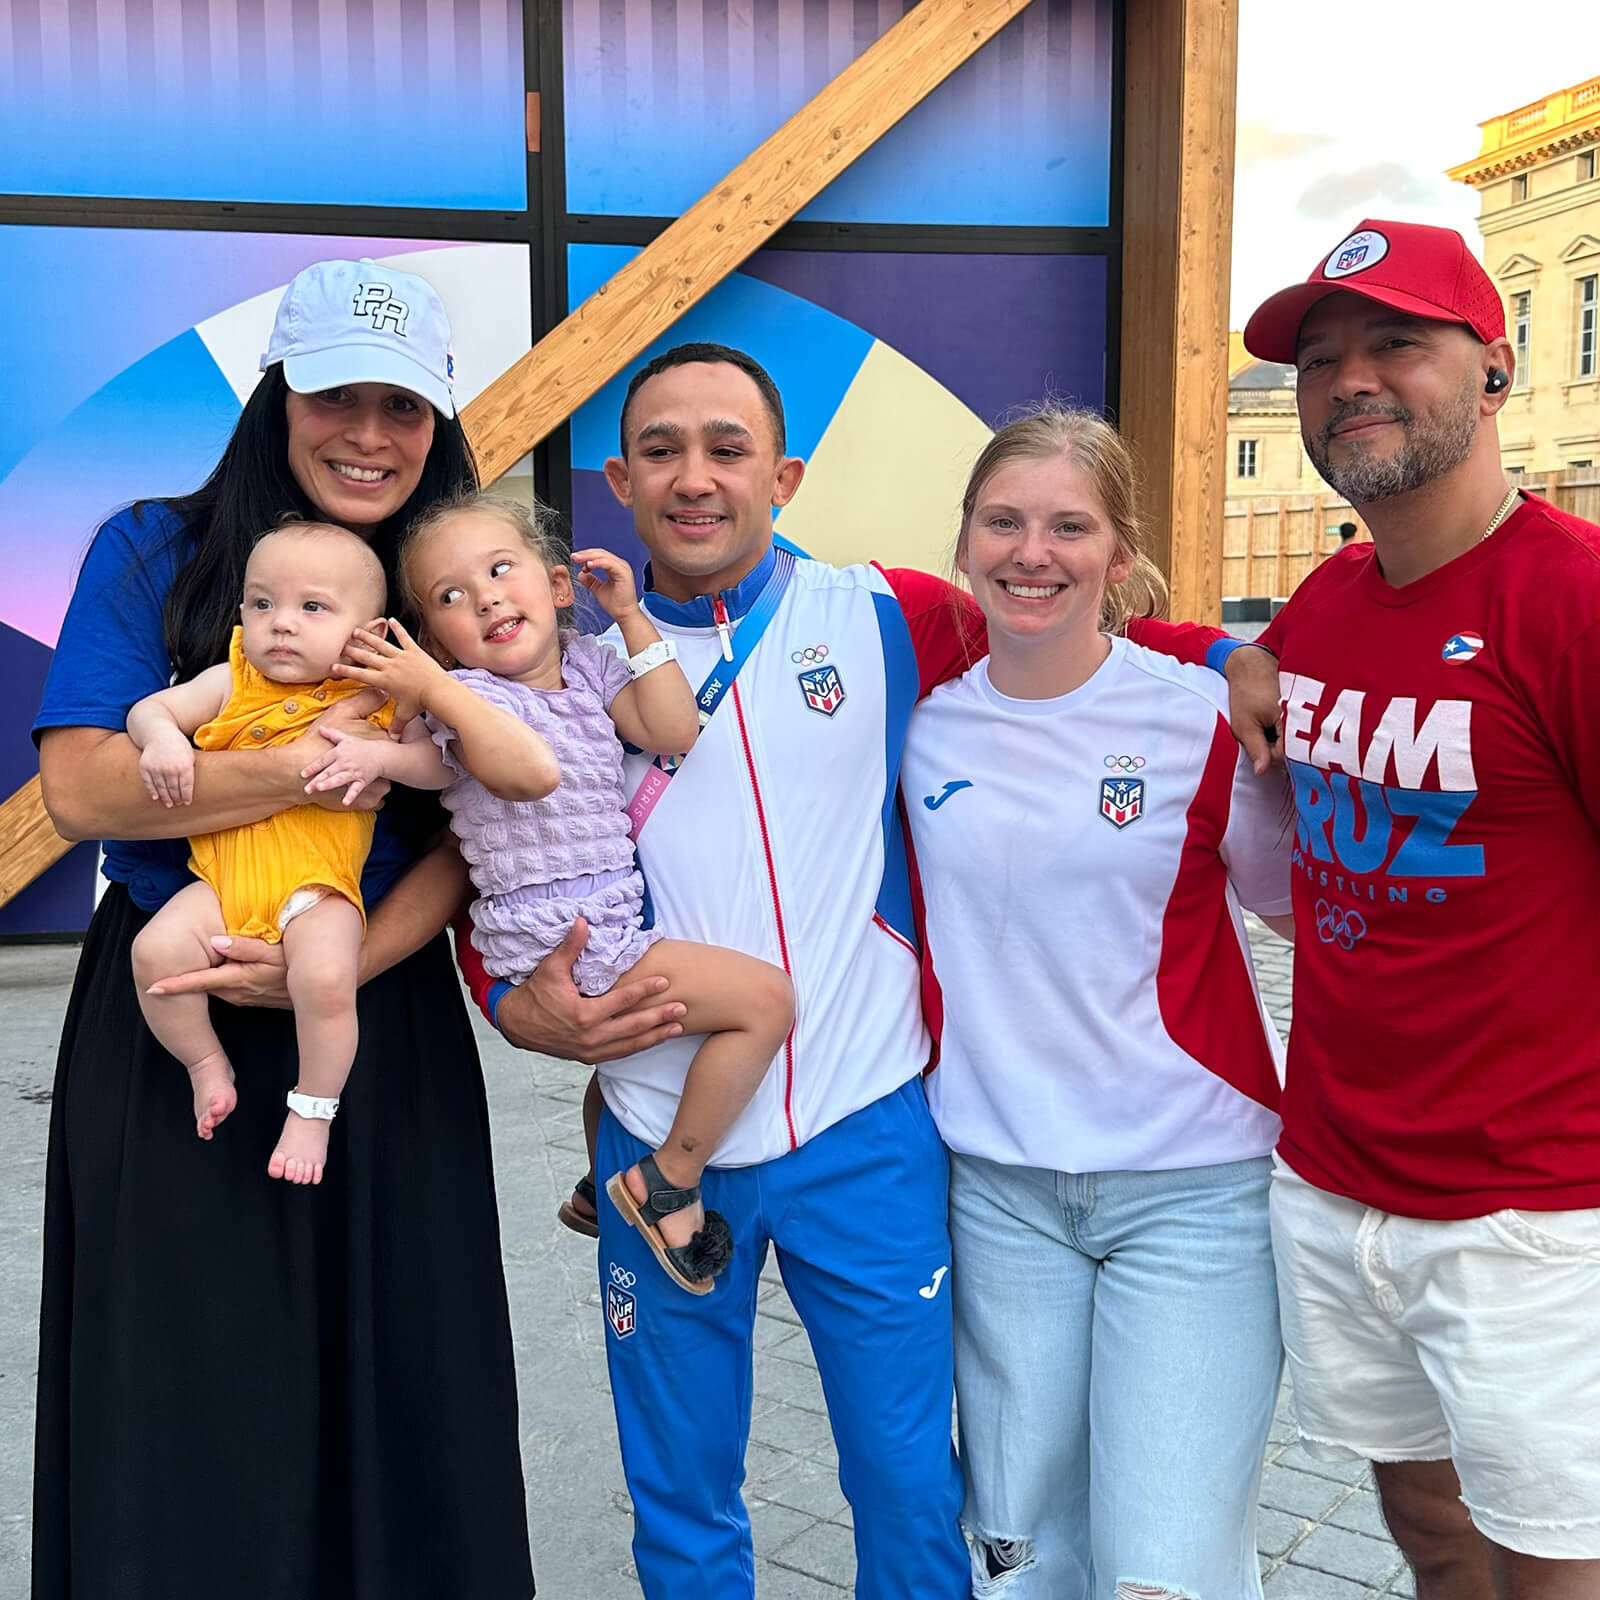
1360,805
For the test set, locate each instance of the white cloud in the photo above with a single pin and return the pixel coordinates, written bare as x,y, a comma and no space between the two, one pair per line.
1383,184
1258,142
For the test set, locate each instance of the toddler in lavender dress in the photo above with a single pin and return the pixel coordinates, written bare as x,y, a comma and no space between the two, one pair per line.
538,867
517,720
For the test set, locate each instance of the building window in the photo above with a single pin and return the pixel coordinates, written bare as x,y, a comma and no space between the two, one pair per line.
1585,166
1245,467
1576,465
1521,320
1519,188
1588,315
1515,472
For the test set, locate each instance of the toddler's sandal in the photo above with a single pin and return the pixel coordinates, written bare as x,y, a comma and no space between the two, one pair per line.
585,1222
693,1266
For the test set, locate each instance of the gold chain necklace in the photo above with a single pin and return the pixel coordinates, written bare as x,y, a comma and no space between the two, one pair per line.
1501,515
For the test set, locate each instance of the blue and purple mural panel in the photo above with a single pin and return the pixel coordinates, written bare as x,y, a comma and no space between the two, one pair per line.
972,337
138,352
314,102
663,100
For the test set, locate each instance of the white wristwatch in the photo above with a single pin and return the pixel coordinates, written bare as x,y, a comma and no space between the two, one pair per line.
319,1108
652,656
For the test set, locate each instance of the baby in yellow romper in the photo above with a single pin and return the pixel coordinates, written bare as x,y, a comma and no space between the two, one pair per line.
295,876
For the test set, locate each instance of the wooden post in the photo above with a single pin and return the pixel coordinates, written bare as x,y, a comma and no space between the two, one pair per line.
1280,530
1177,244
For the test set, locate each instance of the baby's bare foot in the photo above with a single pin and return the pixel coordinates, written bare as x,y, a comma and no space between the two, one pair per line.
302,1150
679,1227
211,1077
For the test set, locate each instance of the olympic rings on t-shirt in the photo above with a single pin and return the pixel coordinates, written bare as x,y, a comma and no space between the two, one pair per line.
1124,763
809,654
1337,926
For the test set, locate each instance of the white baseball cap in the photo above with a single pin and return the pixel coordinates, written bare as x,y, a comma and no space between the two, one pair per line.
344,322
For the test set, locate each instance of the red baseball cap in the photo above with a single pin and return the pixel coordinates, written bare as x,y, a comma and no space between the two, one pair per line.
1423,271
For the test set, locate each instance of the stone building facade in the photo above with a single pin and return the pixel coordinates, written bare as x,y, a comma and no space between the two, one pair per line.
1538,183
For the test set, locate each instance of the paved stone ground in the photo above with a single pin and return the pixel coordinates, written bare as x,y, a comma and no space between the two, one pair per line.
1320,1534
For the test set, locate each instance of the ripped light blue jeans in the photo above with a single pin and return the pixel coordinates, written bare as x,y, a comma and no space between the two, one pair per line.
1117,1358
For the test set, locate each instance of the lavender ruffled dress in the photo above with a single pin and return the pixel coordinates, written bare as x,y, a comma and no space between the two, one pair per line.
538,865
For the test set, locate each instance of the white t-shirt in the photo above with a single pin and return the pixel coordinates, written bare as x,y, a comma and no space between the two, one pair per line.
1082,863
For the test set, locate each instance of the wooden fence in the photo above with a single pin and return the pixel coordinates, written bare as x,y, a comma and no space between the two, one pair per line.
1269,543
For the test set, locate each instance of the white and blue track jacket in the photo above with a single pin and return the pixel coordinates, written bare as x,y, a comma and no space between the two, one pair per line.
780,836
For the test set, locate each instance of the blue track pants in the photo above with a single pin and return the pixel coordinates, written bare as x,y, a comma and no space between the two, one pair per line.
857,1216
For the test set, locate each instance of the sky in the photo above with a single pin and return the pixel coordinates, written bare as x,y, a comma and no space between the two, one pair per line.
1355,110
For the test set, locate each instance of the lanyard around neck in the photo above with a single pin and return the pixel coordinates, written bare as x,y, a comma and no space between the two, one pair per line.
718,682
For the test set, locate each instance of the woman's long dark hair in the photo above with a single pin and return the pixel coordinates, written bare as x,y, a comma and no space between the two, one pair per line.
252,490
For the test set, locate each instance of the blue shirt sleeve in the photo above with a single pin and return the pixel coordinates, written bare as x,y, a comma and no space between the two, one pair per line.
110,652
1220,650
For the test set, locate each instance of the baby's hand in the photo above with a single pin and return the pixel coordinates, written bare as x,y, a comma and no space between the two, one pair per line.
609,579
354,760
399,666
166,765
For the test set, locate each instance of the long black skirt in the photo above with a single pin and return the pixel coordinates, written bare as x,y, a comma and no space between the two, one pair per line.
262,1392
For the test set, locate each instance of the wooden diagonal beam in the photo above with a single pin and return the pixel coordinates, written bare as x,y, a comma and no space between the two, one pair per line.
28,843
695,253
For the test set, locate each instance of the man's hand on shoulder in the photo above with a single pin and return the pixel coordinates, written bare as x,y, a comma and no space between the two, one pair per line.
1252,674
546,1013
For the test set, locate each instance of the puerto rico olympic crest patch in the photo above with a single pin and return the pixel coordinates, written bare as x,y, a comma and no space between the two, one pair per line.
1356,254
1121,800
1461,647
622,1308
823,689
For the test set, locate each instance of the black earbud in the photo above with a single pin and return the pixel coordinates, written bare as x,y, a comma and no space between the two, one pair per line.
1498,379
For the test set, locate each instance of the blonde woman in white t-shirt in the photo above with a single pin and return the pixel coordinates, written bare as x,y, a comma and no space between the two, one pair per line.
1086,831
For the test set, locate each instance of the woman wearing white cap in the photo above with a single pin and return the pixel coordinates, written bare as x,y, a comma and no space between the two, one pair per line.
247,1388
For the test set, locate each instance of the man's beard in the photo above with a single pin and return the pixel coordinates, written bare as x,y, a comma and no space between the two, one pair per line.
1433,445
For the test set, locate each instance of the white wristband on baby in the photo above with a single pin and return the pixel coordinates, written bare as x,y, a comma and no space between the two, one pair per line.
652,656
320,1108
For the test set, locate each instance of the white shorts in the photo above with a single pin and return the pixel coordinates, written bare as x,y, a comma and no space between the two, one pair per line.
1475,1341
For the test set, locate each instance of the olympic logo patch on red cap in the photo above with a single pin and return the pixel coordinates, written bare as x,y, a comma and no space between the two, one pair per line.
1356,254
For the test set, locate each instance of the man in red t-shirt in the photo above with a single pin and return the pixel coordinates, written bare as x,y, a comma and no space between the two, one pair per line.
1436,1207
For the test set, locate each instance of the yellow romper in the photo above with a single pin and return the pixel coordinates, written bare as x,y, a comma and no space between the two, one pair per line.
256,868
